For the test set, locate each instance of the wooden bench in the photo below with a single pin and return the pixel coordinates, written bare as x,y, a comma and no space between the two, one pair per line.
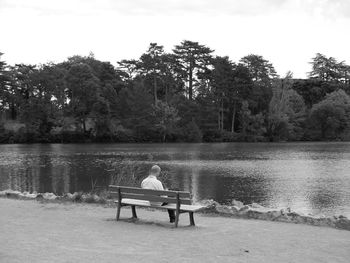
178,201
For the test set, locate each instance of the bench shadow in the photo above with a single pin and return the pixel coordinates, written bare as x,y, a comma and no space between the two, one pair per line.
139,221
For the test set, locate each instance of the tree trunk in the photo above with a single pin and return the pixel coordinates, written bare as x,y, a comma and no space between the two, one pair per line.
13,112
84,126
219,121
233,116
190,82
155,89
222,115
166,93
323,131
83,121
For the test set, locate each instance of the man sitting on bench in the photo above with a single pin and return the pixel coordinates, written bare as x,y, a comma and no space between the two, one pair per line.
151,182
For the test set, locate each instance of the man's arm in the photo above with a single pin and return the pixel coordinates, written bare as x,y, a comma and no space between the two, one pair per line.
159,186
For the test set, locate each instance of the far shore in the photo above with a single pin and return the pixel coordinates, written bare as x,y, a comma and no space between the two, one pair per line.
180,142
34,231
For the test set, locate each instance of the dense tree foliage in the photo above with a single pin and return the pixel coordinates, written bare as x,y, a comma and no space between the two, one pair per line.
331,116
187,95
193,61
329,69
287,111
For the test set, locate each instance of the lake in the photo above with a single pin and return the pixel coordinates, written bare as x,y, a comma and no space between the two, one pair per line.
307,177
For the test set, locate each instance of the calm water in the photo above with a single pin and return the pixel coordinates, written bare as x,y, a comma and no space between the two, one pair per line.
308,177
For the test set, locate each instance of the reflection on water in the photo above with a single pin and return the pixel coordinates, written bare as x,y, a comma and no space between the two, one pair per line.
308,177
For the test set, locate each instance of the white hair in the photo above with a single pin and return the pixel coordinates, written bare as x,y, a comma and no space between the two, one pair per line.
155,170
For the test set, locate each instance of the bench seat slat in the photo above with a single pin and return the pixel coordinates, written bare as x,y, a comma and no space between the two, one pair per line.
134,190
185,208
152,198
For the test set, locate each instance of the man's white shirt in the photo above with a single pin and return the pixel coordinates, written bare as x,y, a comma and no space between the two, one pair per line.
151,182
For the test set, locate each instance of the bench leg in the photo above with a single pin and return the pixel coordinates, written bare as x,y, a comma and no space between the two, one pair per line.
177,215
191,219
118,211
133,210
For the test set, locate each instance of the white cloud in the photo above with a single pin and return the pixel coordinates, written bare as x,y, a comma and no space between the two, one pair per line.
179,7
287,32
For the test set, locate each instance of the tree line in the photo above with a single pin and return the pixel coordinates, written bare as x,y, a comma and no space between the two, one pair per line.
187,95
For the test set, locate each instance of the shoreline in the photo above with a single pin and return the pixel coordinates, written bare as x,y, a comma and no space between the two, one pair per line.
236,210
203,142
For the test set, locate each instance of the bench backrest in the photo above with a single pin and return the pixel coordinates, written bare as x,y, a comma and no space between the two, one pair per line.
171,197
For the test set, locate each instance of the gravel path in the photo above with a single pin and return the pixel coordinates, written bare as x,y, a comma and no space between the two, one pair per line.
31,231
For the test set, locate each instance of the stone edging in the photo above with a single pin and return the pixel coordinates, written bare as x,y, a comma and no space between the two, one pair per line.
256,211
237,209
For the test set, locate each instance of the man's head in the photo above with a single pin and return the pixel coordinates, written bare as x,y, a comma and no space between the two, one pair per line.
155,170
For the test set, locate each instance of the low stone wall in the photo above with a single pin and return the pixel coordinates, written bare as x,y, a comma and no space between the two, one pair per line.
75,197
236,209
256,211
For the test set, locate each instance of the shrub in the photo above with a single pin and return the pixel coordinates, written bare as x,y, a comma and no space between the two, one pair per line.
5,135
190,133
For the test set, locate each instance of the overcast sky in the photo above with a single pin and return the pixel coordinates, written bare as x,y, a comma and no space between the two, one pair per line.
286,32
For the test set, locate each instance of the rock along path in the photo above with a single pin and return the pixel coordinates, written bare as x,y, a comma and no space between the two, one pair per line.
31,231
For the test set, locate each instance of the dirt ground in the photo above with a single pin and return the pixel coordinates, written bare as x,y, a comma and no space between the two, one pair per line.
31,231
